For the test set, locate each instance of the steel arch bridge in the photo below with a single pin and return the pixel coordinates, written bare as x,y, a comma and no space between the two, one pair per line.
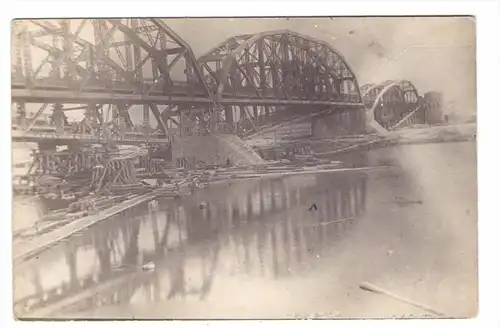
109,67
277,74
391,104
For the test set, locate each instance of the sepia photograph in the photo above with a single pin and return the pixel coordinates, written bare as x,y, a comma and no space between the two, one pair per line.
244,168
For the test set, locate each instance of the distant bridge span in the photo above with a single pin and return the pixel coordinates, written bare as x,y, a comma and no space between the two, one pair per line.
391,103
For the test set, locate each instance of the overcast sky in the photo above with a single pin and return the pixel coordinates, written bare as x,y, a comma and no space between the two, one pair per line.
434,53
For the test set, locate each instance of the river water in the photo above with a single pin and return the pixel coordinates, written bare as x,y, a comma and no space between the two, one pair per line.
290,247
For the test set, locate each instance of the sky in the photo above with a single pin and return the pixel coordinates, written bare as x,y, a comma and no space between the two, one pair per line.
435,53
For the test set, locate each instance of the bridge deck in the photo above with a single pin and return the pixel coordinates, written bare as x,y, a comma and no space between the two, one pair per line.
179,92
68,96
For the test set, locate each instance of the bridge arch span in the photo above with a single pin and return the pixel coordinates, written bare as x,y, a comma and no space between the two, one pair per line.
274,70
390,103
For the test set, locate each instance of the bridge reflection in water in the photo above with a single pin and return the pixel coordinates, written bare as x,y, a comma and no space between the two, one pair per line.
269,228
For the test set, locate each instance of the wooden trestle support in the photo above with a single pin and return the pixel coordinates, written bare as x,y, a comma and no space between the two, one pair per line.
115,172
97,169
119,171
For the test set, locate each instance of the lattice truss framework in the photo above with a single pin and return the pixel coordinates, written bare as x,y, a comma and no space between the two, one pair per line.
392,102
121,63
274,71
125,58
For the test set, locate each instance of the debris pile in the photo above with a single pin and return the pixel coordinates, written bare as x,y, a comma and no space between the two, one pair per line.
116,180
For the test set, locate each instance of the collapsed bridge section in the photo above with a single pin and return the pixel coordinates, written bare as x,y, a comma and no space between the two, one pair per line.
392,104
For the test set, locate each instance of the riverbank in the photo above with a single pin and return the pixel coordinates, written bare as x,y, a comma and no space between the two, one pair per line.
421,134
435,134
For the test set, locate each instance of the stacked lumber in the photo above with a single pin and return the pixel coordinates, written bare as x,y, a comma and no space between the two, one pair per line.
123,189
178,183
272,168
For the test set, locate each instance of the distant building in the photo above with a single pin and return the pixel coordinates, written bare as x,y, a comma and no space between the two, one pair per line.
433,107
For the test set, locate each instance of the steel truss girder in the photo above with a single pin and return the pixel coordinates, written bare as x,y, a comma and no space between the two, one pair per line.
276,70
280,64
97,53
89,64
270,69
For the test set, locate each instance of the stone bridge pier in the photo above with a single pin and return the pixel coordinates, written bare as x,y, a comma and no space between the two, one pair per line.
339,122
222,149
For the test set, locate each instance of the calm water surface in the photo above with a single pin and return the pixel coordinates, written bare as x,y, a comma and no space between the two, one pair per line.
278,248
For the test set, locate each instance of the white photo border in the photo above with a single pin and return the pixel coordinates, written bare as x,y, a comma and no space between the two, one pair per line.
488,70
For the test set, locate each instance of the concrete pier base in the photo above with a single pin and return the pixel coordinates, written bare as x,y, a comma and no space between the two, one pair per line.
214,150
341,122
